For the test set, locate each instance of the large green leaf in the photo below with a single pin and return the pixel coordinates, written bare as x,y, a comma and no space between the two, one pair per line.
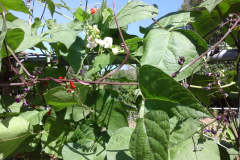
33,117
65,36
9,106
150,138
118,145
209,4
30,143
173,20
108,111
196,149
228,154
100,62
60,98
76,54
233,9
81,15
14,37
182,129
15,5
85,149
14,130
200,44
162,50
133,12
2,37
55,135
209,21
164,93
31,41
86,129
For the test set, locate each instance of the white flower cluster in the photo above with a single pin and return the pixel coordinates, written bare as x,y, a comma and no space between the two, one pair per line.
93,39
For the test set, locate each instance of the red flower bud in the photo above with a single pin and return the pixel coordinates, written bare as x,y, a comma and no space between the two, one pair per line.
49,112
34,106
73,86
93,10
46,84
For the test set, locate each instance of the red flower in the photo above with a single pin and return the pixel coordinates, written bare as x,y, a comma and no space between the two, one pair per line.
69,91
49,112
71,83
73,86
66,87
46,84
93,10
34,106
60,77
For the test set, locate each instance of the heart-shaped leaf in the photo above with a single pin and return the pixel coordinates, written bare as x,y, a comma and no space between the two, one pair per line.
150,138
133,12
164,93
14,130
118,145
162,49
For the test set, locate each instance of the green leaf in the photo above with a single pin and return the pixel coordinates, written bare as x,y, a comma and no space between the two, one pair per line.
164,93
162,50
108,111
172,20
37,23
118,145
51,6
197,41
65,36
14,37
85,149
15,5
75,24
81,15
2,37
133,12
76,54
31,41
182,129
209,4
60,98
33,117
55,135
79,113
195,150
209,21
9,106
233,9
100,62
30,143
14,130
150,138
228,154
86,129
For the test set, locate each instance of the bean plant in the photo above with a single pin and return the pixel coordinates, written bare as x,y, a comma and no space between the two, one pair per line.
47,113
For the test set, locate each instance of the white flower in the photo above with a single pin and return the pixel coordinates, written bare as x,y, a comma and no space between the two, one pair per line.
115,50
91,44
90,38
96,29
108,42
100,42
